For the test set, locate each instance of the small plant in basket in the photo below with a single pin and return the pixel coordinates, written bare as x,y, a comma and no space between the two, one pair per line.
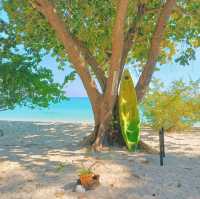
87,178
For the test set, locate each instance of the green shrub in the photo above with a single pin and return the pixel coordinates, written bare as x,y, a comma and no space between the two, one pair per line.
175,109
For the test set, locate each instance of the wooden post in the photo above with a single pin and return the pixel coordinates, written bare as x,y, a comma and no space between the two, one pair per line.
162,145
163,142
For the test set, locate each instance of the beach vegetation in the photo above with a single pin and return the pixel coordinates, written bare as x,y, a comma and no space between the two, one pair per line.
175,108
61,167
84,171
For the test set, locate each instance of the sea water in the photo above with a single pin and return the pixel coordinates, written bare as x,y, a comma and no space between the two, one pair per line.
76,109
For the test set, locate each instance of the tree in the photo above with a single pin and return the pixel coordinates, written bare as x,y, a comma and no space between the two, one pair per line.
99,37
22,80
176,108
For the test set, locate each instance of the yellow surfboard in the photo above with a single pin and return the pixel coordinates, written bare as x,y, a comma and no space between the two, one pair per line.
128,112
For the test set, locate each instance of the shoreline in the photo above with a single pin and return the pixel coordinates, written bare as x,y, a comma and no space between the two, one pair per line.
143,127
49,121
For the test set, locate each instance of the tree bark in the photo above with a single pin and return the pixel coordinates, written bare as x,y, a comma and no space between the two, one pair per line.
112,84
154,50
72,48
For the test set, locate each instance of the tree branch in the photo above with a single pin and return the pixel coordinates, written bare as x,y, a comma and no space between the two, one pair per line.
132,32
152,10
117,49
92,62
96,68
71,47
154,50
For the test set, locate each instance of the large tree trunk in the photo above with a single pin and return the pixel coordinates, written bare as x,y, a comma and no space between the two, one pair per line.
103,127
107,128
112,84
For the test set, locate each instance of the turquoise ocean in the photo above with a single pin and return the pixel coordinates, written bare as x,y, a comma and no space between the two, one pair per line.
76,109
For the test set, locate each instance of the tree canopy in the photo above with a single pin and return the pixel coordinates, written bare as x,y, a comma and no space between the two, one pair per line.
90,22
22,80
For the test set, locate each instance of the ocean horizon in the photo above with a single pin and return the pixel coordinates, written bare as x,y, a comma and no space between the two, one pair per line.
75,109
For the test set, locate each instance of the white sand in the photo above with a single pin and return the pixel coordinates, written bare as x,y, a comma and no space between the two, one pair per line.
31,154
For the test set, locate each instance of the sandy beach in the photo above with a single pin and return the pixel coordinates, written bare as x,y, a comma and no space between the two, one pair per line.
41,160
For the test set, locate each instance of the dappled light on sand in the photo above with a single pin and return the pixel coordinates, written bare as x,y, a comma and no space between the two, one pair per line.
43,159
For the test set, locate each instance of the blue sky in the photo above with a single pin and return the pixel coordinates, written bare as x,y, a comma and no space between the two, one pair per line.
74,88
167,74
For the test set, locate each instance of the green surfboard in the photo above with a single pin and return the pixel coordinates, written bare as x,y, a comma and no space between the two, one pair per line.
128,112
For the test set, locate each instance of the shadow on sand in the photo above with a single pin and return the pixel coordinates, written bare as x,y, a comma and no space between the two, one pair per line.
43,158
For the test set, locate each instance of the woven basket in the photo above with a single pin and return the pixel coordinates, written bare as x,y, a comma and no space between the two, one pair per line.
89,181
